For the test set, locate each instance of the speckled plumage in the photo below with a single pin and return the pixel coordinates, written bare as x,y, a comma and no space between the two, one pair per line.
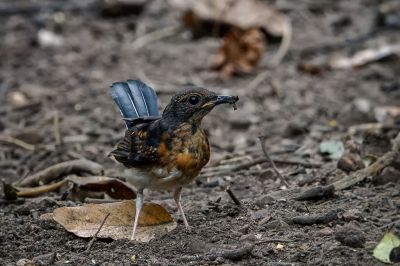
168,152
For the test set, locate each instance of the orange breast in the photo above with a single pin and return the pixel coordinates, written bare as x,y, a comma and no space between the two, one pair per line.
188,151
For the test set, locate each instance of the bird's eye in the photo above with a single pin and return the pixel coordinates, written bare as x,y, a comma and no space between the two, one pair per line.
193,100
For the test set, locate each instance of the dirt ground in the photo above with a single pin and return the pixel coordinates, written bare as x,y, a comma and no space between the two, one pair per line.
293,109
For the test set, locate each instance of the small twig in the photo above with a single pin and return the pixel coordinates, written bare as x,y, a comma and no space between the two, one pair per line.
154,36
285,43
228,169
89,246
262,140
389,224
36,191
17,201
277,59
323,218
258,79
59,170
273,240
317,193
233,196
372,170
57,130
18,142
100,201
234,254
377,127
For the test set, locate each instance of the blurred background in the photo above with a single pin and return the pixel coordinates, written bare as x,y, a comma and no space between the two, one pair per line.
58,59
306,72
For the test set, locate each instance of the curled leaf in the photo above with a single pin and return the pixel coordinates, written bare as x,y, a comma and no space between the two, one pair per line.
113,187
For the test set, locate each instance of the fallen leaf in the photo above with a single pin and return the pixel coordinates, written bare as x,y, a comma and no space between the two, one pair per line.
115,188
85,220
240,52
333,149
243,14
384,250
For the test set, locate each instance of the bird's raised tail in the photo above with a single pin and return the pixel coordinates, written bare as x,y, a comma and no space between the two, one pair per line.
136,101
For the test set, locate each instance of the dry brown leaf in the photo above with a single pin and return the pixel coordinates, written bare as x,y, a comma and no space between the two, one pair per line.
244,14
85,220
115,188
240,52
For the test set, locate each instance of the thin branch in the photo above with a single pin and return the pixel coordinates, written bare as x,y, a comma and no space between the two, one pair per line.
285,43
18,142
59,170
57,130
264,148
274,240
36,191
384,161
233,196
372,170
95,235
154,36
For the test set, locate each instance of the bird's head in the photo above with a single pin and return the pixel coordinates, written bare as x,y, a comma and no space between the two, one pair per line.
192,104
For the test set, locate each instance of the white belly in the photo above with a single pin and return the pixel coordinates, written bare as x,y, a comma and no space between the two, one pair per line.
159,180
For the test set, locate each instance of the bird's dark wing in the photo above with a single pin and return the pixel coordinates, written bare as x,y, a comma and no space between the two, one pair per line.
138,148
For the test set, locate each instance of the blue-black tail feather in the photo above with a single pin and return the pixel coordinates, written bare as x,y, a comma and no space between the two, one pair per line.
135,100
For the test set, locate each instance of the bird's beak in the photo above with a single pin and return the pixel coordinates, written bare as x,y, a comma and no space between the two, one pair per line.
226,99
221,99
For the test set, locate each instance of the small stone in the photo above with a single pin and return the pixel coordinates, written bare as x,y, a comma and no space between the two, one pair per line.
327,231
388,175
264,200
350,162
257,215
265,220
248,238
352,214
350,236
244,229
276,224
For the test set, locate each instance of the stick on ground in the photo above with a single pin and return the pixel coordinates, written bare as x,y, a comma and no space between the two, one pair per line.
155,36
89,246
262,140
233,196
374,169
57,171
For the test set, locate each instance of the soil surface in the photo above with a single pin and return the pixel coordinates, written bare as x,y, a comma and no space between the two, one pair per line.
294,110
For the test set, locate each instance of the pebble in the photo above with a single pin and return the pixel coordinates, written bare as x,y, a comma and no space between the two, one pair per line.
350,236
327,231
352,214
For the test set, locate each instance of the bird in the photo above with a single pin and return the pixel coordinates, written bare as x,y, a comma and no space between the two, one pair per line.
163,152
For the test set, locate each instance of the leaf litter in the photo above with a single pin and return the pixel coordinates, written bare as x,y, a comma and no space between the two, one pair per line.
84,221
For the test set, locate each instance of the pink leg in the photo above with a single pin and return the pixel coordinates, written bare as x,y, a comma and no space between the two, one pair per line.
177,198
139,204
